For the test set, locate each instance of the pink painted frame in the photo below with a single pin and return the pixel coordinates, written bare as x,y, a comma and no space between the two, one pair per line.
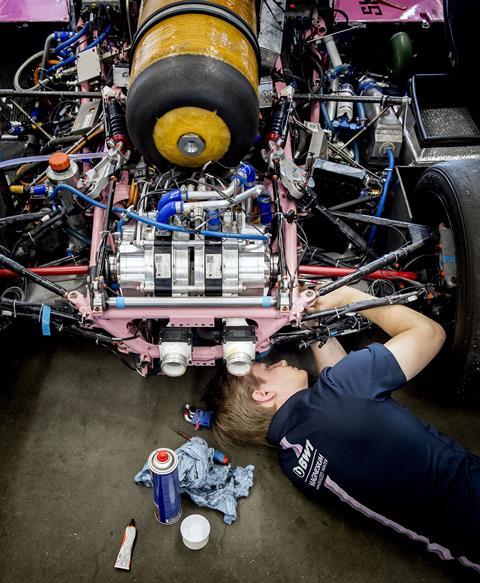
375,11
118,322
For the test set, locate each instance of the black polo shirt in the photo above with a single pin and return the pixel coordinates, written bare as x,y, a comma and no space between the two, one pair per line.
346,437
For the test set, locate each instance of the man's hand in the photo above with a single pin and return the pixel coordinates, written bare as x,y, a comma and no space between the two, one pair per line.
415,339
336,299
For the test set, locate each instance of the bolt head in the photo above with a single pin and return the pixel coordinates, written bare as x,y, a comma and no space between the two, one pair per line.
191,145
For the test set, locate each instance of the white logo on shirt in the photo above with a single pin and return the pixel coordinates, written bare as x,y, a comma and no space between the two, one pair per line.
304,460
316,475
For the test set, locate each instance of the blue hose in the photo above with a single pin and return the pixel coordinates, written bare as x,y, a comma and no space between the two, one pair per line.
146,221
246,175
96,42
214,219
74,233
59,50
326,118
383,196
172,196
168,211
362,115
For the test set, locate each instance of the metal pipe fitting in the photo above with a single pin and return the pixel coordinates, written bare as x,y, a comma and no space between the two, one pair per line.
122,302
174,357
238,352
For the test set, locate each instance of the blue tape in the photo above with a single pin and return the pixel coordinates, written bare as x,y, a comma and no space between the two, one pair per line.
266,302
120,303
45,313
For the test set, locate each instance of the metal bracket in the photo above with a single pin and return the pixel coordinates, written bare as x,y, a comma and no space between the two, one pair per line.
293,178
239,334
417,232
171,334
95,180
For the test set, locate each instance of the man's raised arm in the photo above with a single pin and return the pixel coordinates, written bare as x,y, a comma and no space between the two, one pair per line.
415,338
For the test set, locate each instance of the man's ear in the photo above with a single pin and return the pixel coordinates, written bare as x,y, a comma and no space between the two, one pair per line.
261,395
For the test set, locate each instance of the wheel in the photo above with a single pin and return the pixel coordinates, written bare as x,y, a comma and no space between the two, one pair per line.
447,198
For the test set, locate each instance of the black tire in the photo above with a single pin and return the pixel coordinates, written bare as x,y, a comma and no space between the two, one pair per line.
450,192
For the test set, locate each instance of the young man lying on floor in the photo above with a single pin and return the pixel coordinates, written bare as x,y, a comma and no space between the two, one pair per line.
346,436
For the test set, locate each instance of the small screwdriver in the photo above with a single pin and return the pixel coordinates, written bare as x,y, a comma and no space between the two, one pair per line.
218,456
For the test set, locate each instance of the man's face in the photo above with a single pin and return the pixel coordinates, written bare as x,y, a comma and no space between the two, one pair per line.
285,380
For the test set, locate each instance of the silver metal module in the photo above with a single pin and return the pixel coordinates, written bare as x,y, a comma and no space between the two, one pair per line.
270,36
88,65
152,264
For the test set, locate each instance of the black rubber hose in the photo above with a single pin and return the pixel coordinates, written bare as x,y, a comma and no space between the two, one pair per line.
380,263
25,218
362,306
28,309
31,238
26,171
56,142
33,277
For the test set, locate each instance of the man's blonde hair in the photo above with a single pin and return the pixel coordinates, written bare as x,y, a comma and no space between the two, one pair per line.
238,418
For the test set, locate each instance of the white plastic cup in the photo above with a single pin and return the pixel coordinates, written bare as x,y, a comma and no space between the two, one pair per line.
195,530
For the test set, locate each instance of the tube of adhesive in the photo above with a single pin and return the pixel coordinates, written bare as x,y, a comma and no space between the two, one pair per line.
124,558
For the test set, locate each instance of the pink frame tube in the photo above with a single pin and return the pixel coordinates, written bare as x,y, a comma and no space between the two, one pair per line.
118,323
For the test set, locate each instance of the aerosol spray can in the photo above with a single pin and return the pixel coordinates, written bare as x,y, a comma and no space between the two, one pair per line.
163,465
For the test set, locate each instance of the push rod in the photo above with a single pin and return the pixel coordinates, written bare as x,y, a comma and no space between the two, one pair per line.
328,271
371,267
382,100
33,277
48,271
60,94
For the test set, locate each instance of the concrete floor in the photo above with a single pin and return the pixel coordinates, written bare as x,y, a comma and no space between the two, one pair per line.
75,426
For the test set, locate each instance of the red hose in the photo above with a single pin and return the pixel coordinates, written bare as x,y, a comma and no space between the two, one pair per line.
341,271
49,271
315,270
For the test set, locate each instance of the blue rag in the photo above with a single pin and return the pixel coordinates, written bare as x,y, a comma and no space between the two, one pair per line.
207,484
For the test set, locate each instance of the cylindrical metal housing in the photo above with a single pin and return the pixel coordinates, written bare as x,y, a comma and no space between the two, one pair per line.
175,357
238,354
194,81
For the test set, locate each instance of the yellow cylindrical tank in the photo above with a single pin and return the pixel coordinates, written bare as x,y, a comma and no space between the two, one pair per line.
193,94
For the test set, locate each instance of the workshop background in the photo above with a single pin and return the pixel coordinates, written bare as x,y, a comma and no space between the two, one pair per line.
75,426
